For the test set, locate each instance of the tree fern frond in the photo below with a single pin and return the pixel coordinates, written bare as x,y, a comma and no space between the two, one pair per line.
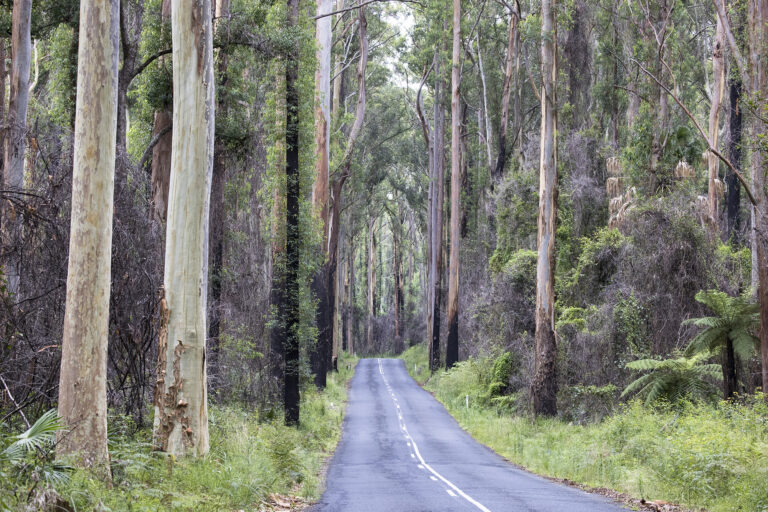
708,340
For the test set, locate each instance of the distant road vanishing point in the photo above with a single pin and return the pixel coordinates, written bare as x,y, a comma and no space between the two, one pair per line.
402,452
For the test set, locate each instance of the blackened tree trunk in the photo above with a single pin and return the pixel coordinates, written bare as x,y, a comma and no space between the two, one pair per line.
438,195
216,241
730,382
733,199
291,396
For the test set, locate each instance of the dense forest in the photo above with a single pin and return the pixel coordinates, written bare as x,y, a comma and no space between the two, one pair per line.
215,205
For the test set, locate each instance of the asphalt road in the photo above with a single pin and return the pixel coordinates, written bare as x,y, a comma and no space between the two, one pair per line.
401,451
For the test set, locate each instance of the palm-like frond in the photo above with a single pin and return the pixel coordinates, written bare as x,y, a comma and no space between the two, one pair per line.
737,318
37,437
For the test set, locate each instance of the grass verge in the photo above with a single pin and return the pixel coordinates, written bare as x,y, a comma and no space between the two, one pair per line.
699,455
249,463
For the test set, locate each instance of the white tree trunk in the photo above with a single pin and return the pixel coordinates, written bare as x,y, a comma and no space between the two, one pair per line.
487,120
545,378
718,85
322,113
16,133
181,406
83,379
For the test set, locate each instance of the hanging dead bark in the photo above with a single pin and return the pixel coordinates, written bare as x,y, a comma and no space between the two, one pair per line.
181,427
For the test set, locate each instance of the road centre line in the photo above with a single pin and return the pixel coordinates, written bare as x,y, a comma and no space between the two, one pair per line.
415,447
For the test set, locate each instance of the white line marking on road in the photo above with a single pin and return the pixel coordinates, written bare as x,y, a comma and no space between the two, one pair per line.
450,484
433,478
413,456
451,492
422,467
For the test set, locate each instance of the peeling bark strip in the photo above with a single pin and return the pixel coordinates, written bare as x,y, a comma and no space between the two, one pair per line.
181,409
544,388
83,379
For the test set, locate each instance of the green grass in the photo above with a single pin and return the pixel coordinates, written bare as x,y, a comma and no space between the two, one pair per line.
699,455
248,461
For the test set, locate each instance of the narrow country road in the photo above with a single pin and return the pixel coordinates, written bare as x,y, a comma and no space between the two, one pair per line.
402,452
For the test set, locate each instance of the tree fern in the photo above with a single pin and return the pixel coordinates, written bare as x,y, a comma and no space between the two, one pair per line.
673,379
732,331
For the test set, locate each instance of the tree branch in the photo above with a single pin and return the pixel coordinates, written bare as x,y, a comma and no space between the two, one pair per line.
701,131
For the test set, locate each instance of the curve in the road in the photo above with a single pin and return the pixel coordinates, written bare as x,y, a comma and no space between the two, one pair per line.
402,452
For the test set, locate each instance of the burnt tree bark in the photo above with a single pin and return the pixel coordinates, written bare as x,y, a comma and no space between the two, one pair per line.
291,396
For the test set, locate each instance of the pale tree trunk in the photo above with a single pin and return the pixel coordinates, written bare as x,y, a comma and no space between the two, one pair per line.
371,257
83,378
718,85
452,342
486,118
322,113
509,68
16,135
181,403
351,299
322,285
544,388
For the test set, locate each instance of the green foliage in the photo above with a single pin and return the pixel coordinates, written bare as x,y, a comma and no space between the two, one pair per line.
702,455
631,336
516,217
738,318
249,459
674,380
595,267
27,461
587,403
503,368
